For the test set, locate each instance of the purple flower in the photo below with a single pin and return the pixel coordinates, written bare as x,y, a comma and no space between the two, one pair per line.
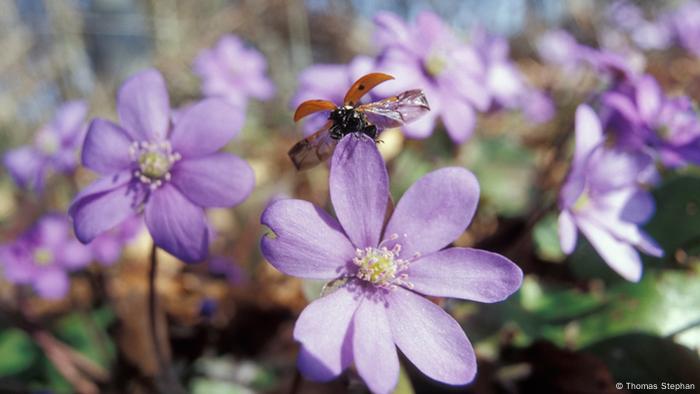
627,17
380,274
107,247
686,25
170,172
429,56
330,82
54,148
603,198
43,256
233,71
643,117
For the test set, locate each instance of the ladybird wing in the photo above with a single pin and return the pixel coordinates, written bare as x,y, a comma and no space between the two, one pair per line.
397,110
313,149
364,85
309,107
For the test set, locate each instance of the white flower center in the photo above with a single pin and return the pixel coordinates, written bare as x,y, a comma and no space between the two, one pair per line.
154,161
382,266
435,64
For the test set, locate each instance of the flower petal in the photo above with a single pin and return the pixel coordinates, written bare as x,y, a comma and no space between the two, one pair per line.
359,188
218,180
619,255
51,283
430,338
177,225
373,348
106,147
144,106
307,242
206,127
465,273
567,232
589,133
26,166
324,330
434,211
75,255
649,98
459,119
103,205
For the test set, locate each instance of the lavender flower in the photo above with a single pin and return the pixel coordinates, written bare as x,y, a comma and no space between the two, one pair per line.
233,71
43,256
330,82
54,148
686,25
429,56
107,247
603,198
643,117
168,172
379,274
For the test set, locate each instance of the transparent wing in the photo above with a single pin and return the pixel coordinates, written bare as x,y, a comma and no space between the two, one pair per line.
397,110
313,149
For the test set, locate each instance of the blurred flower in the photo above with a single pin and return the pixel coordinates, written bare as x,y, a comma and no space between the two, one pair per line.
558,47
328,82
686,25
379,275
603,198
627,18
230,270
233,71
54,149
169,172
107,247
43,256
643,117
429,56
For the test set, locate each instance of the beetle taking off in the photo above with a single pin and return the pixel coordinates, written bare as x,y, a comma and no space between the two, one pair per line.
369,119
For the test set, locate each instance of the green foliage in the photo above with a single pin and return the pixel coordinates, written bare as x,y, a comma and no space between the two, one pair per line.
17,350
546,239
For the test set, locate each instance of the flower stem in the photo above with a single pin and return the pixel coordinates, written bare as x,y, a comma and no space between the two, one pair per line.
165,379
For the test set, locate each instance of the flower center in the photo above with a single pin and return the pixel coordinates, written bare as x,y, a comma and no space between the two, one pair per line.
435,65
154,161
47,142
43,257
582,201
382,266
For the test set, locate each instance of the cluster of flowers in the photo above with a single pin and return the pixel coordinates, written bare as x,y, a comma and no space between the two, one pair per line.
162,164
632,127
460,79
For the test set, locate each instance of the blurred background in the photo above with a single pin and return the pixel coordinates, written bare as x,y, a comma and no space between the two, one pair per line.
575,326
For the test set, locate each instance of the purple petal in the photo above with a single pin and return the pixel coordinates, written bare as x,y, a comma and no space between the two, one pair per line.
648,98
619,255
423,127
567,232
391,30
51,283
430,338
218,180
459,119
323,328
206,127
465,273
434,211
68,120
177,225
144,106
25,165
639,208
589,133
103,205
307,242
106,147
75,255
359,188
373,348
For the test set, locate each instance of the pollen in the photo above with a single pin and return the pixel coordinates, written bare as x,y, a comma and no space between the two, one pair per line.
153,161
382,266
43,257
435,65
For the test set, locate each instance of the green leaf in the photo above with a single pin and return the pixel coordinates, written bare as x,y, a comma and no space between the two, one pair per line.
211,386
642,358
546,239
505,170
404,385
87,333
17,352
